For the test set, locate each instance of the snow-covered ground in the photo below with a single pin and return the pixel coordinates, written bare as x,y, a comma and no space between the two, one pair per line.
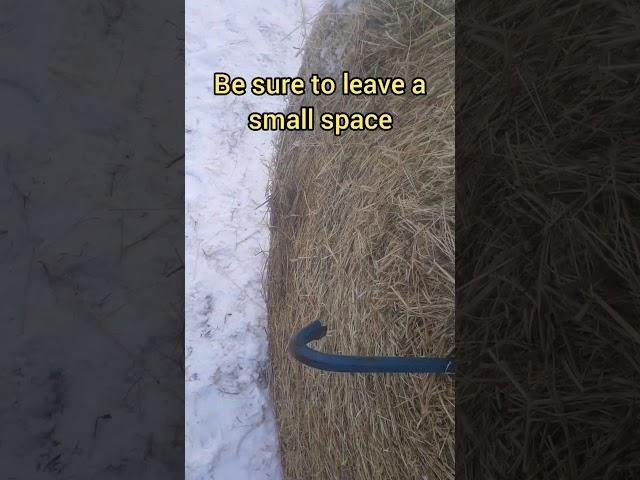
230,429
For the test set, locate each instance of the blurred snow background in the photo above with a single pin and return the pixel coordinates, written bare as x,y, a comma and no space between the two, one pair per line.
230,428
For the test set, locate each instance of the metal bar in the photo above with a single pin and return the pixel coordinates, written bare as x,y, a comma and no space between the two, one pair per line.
355,364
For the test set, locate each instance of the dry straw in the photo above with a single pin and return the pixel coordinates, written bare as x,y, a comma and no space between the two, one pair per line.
548,237
363,239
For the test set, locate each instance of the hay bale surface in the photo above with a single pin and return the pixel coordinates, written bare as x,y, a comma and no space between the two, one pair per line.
548,379
362,238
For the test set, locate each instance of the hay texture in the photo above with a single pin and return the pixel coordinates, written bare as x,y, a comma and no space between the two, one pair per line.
548,237
363,239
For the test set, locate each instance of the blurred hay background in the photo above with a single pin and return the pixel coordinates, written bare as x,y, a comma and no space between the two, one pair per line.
363,239
548,240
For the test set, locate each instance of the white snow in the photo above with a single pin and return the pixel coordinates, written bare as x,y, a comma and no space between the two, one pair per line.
230,429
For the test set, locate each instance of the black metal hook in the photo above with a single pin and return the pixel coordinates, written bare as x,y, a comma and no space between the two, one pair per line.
354,364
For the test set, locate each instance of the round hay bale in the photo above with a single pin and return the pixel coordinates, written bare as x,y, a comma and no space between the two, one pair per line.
363,239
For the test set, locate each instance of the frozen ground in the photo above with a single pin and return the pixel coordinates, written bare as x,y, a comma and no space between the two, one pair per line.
230,428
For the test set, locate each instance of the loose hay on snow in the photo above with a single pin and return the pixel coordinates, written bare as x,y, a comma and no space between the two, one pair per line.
362,238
